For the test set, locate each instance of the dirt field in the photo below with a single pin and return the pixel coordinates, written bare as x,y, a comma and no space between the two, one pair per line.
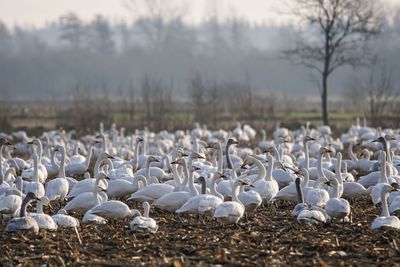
270,238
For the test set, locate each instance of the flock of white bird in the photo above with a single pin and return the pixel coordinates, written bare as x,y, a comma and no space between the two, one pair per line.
220,175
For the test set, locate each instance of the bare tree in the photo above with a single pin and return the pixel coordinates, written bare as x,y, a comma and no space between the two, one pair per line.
375,95
154,18
342,29
71,30
101,35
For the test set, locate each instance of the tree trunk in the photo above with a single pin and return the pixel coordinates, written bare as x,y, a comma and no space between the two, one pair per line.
324,98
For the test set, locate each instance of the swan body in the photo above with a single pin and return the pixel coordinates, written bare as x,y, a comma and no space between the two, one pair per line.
151,192
385,220
112,210
144,223
230,212
65,221
24,223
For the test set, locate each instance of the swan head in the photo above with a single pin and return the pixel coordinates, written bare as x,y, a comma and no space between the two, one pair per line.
245,182
302,172
213,145
139,139
31,196
179,152
297,181
45,200
325,150
152,159
179,161
194,168
379,140
58,148
308,138
219,175
232,141
4,141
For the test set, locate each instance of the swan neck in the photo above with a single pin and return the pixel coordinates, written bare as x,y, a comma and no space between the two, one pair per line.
276,154
220,161
228,156
385,209
384,177
175,174
146,210
306,180
135,162
351,153
61,171
266,173
338,166
235,191
39,207
186,174
192,190
319,168
35,169
213,188
307,156
25,202
88,157
40,150
299,193
140,178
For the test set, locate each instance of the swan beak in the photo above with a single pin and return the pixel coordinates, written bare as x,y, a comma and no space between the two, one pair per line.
252,186
7,143
184,154
212,145
395,186
30,143
175,162
244,166
374,141
328,183
234,142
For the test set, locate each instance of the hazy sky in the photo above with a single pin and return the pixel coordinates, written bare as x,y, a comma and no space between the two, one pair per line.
38,12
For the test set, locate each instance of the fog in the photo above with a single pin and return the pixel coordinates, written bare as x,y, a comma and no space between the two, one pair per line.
114,57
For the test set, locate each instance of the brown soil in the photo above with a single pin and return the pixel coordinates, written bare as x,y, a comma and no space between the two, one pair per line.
270,238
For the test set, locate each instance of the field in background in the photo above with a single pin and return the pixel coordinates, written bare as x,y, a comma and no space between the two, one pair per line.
34,117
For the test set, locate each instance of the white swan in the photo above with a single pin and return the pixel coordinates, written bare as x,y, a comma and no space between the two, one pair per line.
267,187
383,180
230,212
58,188
336,207
28,174
174,200
87,200
289,193
204,204
250,199
385,220
36,186
317,197
43,220
24,223
114,210
122,187
144,223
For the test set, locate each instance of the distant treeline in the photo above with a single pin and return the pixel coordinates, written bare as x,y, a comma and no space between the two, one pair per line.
50,62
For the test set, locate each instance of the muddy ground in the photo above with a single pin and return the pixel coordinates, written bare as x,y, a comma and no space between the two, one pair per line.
269,237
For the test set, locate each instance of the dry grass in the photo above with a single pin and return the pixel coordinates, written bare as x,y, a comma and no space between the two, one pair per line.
268,238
